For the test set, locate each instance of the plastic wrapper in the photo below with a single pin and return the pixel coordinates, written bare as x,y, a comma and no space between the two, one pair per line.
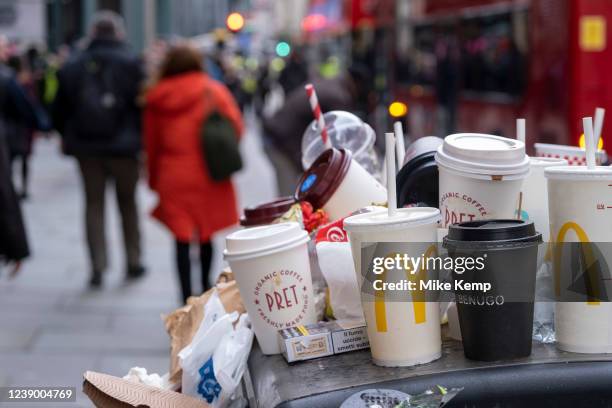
543,313
436,397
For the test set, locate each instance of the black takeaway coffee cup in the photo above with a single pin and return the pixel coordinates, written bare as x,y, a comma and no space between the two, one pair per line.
494,271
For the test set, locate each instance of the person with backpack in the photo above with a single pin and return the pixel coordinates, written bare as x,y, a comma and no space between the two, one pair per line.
97,113
186,114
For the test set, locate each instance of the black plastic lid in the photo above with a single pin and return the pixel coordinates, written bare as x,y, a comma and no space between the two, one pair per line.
494,231
417,181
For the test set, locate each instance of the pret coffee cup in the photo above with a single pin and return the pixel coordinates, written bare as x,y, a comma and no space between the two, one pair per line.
580,210
272,270
401,333
495,324
266,213
480,177
339,185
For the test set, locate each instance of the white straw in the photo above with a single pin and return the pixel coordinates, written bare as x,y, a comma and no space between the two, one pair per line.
598,125
399,143
390,158
520,130
589,140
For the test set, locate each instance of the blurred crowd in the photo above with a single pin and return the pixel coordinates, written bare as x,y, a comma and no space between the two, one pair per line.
117,111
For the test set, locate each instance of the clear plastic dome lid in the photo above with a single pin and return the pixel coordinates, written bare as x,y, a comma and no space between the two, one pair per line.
345,130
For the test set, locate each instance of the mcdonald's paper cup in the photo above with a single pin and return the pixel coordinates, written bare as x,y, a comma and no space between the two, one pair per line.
272,270
580,210
480,177
401,333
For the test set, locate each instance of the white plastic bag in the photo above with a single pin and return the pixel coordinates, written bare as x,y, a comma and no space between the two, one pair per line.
230,361
215,360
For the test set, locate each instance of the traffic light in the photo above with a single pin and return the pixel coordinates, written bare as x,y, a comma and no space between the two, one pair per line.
234,22
283,49
398,109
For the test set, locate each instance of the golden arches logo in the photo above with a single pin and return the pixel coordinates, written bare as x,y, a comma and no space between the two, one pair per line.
418,296
587,251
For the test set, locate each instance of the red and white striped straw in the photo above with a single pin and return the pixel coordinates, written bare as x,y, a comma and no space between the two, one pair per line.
318,115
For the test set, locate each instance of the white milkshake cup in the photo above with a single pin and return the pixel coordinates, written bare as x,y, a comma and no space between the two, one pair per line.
480,177
580,210
401,333
272,270
339,185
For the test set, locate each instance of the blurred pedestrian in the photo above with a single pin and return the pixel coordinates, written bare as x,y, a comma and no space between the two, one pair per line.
284,130
96,111
15,107
191,204
20,133
295,73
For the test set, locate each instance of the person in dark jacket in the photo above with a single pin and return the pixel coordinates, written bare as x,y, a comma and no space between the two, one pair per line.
97,113
295,73
284,130
20,135
15,106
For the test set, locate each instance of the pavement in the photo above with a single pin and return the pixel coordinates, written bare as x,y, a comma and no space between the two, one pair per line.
52,329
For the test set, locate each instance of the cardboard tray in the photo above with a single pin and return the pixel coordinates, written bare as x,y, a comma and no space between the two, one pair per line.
107,391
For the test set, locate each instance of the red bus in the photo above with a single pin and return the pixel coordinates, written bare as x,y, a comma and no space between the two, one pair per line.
489,62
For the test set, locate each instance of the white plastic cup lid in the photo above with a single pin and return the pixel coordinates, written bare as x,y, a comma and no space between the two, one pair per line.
578,173
402,219
484,154
252,241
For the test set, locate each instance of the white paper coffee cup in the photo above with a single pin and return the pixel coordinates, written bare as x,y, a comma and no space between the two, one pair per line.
579,201
480,177
400,333
357,190
272,270
535,196
339,185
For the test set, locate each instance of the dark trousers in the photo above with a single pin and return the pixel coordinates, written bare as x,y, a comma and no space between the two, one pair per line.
123,173
183,263
25,171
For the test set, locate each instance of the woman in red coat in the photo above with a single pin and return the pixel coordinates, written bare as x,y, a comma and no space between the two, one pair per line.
191,204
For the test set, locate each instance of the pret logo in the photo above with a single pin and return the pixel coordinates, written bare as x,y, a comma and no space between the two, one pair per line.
459,207
282,298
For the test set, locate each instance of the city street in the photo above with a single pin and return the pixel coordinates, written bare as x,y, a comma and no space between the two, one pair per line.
52,328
